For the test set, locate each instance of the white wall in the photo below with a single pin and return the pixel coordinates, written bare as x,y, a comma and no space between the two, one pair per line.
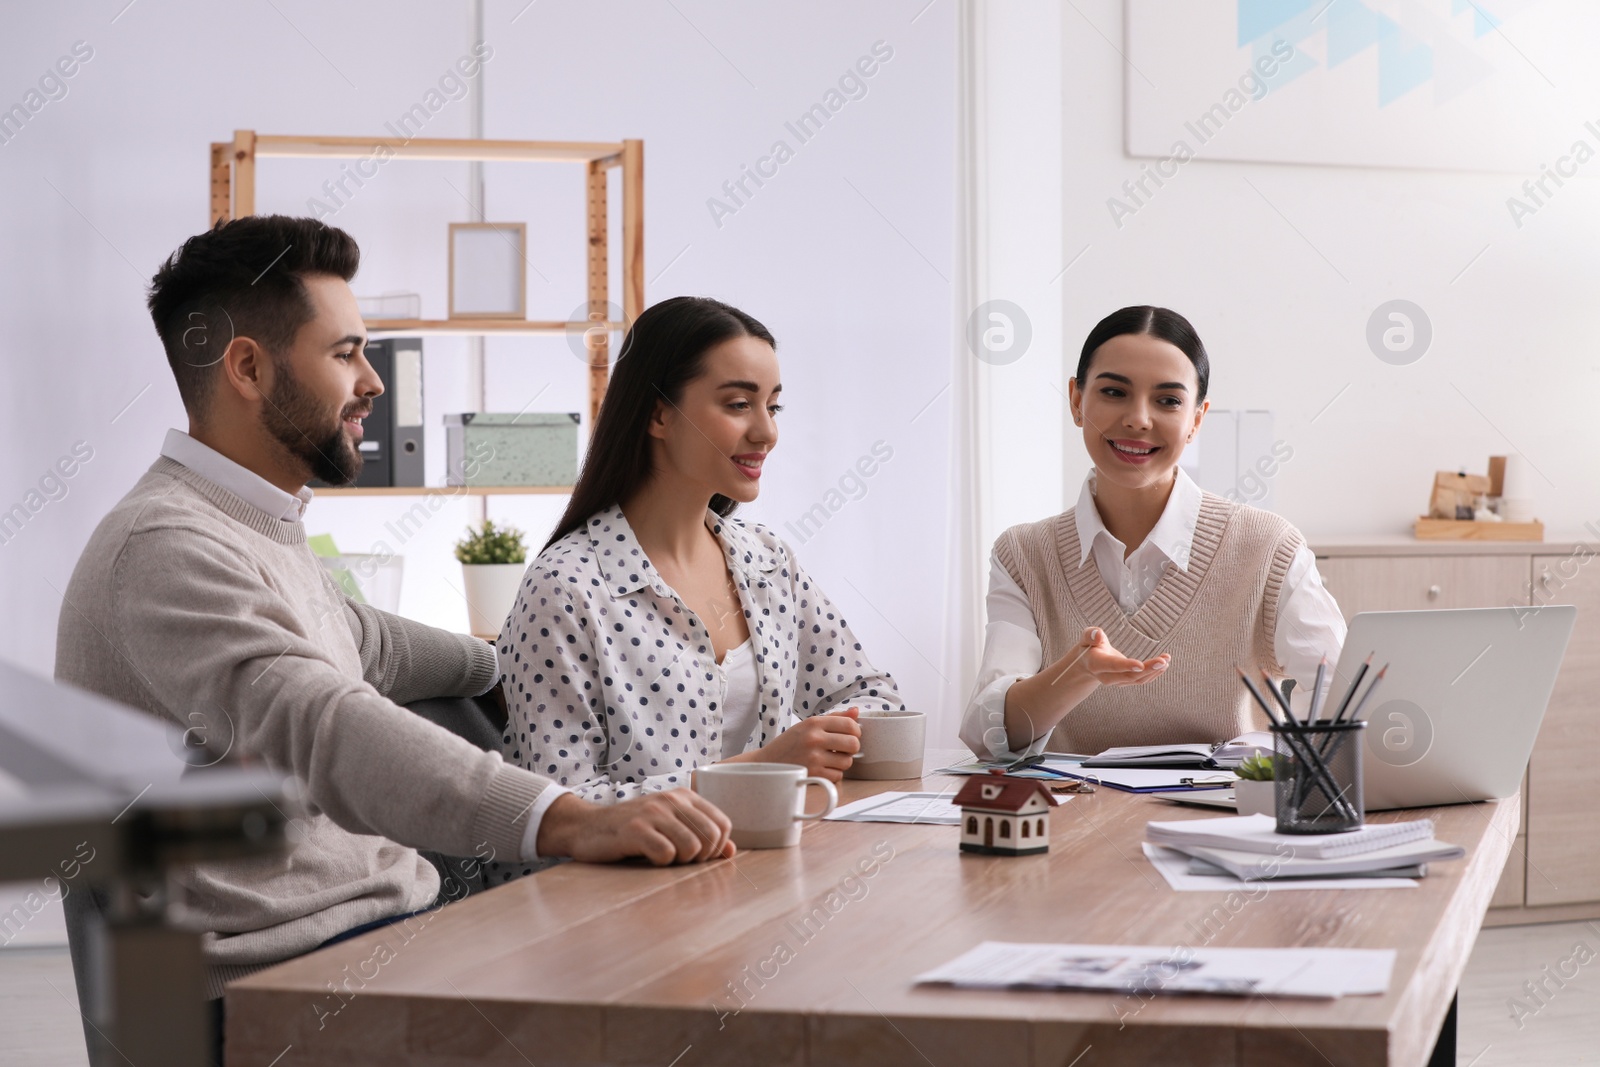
846,254
1020,259
1513,361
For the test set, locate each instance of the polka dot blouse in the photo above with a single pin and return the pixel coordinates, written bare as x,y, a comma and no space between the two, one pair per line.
611,681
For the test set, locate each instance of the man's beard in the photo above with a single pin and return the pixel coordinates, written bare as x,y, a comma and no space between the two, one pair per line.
299,422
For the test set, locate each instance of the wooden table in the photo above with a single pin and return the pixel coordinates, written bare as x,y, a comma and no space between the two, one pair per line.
806,956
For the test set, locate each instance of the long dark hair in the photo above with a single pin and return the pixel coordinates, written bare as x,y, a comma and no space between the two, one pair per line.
663,352
1161,323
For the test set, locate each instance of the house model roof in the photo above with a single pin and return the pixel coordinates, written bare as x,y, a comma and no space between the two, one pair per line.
996,792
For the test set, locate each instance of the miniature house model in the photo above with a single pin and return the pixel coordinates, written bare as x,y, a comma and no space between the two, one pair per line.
1004,816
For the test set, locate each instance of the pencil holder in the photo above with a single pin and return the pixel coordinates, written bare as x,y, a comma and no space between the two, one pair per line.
1317,771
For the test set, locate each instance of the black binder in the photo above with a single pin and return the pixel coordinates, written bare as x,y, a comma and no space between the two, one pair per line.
406,458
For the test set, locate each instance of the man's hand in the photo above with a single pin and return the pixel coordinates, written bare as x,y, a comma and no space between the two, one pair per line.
665,828
823,744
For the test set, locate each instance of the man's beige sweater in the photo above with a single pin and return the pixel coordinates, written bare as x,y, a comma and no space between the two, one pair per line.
206,611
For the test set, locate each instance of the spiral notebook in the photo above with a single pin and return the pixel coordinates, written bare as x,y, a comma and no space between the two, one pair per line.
1380,862
1258,833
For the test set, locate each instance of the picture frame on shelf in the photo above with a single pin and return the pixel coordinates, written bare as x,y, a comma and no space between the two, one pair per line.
390,306
488,270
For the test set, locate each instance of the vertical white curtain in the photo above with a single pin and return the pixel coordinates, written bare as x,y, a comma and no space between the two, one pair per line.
1009,403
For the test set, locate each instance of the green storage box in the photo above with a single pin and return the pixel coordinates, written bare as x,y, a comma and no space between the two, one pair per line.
491,448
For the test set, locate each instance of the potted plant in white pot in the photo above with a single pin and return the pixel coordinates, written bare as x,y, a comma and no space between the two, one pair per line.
492,561
1253,792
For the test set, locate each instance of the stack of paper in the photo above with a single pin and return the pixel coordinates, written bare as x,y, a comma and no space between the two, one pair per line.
1382,862
935,808
1188,875
1249,848
1205,867
1259,833
1143,969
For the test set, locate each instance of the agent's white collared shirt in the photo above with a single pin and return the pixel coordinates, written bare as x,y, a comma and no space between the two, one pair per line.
1310,624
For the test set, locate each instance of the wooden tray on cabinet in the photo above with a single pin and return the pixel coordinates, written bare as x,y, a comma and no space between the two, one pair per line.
1429,529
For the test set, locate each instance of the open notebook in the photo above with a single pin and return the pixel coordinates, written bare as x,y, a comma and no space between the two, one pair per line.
1226,754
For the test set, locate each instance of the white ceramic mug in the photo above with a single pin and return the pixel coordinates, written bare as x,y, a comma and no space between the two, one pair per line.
891,745
764,801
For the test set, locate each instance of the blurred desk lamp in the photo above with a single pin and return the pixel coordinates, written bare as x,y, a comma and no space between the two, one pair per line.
136,797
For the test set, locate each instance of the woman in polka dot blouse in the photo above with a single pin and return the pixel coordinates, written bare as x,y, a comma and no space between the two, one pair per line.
655,633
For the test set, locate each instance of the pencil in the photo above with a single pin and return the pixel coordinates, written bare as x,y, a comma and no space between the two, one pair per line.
1313,751
1355,715
1311,754
1339,720
1295,737
1345,703
1316,689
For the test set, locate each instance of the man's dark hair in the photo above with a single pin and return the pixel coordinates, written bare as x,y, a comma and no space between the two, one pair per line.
241,279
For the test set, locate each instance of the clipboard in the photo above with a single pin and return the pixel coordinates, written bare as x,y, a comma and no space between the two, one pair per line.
1141,779
1053,766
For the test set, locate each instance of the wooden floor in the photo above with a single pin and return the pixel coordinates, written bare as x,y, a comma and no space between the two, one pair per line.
40,1007
1564,1029
1560,1027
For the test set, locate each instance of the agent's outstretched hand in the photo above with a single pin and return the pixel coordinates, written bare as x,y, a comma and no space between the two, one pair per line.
1095,658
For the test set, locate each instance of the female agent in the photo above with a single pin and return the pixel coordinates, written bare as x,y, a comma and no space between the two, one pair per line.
1120,622
656,633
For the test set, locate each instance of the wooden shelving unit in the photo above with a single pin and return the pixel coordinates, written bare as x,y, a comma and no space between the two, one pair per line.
233,195
448,490
487,327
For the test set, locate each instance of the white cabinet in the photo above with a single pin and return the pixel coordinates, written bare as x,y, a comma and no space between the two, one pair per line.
1554,869
1415,583
1563,844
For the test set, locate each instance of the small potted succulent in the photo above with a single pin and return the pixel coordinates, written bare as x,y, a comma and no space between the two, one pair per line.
1253,792
492,563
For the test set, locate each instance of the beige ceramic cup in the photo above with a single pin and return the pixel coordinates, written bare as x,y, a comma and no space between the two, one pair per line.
764,801
891,745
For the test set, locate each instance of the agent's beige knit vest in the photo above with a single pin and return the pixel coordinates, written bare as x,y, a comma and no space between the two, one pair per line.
1220,612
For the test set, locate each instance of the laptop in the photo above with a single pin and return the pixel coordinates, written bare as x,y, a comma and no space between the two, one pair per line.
1459,709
